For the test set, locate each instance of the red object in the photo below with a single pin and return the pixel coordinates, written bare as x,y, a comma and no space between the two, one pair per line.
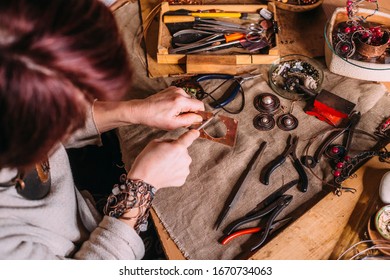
335,150
347,30
337,173
347,158
330,108
339,165
345,48
237,233
325,116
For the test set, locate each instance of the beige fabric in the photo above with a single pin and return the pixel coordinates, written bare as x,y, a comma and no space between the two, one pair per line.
189,212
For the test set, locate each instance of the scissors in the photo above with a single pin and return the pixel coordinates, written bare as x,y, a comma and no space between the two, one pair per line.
253,31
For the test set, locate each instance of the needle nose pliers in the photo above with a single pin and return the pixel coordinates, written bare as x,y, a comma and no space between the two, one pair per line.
279,160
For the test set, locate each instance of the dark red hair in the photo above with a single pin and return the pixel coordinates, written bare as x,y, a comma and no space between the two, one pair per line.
54,57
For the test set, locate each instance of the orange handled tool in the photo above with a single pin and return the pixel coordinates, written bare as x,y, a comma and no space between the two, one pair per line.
209,41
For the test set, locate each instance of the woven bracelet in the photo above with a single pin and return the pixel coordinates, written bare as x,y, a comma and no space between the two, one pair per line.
130,194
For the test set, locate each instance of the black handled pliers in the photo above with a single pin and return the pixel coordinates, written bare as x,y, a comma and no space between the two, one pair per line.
270,211
279,160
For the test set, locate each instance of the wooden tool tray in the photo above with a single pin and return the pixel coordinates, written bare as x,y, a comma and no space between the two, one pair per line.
211,59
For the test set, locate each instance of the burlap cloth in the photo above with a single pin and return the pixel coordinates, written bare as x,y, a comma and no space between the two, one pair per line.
189,212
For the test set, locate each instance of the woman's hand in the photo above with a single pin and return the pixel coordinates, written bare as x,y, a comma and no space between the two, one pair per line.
164,163
168,109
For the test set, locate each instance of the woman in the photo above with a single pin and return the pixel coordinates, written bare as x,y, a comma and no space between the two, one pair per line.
63,70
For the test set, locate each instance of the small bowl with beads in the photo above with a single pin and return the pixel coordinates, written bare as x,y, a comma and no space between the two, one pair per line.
296,77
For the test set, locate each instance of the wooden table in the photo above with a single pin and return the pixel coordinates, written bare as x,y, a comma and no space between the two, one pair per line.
330,226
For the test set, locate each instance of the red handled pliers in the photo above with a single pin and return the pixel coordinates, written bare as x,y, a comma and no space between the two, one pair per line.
270,211
276,225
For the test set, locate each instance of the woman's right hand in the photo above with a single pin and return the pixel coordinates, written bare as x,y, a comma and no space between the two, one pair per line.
164,163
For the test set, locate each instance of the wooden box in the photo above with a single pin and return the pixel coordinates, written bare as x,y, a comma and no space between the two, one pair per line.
216,62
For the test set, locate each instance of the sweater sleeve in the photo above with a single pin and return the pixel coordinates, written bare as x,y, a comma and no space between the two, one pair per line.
87,135
112,239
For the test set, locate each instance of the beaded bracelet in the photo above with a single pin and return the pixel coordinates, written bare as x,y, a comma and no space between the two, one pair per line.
130,194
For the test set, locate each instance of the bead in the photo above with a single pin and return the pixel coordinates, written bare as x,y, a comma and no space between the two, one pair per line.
335,150
349,2
336,173
353,28
365,35
116,191
267,100
347,158
347,30
288,122
265,120
345,48
340,165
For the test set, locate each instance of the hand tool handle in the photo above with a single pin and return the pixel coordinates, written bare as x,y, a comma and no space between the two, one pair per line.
234,37
355,118
304,181
240,232
278,161
206,77
172,18
286,201
256,216
273,196
177,18
228,96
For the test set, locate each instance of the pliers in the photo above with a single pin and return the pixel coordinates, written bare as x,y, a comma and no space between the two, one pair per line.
270,211
279,160
228,96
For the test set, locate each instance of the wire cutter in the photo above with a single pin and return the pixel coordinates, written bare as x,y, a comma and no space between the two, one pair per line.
270,211
279,160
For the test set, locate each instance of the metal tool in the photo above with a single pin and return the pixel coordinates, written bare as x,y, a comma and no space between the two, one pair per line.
231,128
251,46
231,93
270,212
279,160
207,122
253,31
239,185
348,128
275,226
272,197
219,38
183,15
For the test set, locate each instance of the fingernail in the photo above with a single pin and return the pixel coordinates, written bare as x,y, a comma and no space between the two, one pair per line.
199,119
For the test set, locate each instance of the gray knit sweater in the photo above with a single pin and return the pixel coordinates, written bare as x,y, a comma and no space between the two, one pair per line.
64,224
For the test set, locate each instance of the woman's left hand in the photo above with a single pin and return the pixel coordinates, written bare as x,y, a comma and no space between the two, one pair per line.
168,109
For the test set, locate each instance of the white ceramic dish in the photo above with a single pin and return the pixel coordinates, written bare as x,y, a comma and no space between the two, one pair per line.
354,68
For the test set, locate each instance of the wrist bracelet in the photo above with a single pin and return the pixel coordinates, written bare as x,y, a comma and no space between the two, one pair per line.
130,194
